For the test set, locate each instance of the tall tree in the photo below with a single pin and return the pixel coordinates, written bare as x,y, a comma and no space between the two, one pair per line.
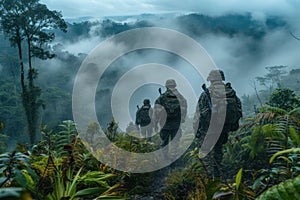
29,24
284,98
273,79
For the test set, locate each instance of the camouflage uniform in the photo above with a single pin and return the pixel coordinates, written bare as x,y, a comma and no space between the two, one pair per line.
171,126
146,129
202,121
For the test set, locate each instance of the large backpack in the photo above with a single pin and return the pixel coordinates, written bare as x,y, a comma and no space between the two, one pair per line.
232,103
172,105
143,116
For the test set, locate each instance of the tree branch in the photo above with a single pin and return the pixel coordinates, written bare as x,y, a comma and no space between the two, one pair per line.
294,36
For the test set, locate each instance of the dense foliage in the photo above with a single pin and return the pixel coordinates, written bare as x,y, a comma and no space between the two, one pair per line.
261,159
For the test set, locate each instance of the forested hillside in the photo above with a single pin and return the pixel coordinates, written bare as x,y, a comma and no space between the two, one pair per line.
43,156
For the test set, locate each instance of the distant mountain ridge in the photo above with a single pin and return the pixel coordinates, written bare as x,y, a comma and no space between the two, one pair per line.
193,24
144,16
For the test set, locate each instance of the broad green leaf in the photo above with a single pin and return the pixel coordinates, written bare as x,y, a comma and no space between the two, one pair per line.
10,192
289,189
104,197
90,191
293,150
238,179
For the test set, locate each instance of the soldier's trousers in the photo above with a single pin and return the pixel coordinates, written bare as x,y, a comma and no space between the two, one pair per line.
213,161
217,158
146,131
166,136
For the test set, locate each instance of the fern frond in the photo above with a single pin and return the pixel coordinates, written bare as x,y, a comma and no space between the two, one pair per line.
295,112
293,150
270,109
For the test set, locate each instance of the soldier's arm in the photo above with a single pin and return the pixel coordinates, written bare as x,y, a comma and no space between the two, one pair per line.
239,105
238,101
151,116
155,114
196,118
183,109
202,102
151,113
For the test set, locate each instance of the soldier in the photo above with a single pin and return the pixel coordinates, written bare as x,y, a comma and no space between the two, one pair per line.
131,127
210,102
169,112
143,119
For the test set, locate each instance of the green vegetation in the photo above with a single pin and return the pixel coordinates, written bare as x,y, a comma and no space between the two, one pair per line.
57,167
23,22
261,159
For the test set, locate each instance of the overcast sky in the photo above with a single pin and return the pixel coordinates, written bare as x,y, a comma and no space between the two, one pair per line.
224,50
100,8
232,54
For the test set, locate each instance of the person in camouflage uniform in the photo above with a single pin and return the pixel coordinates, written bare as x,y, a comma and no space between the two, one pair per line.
131,127
170,110
143,119
203,115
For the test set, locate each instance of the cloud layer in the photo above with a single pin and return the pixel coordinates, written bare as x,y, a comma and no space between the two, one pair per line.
100,8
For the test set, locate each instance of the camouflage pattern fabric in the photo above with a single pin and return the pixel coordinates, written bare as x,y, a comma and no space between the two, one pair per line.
168,99
146,131
144,115
202,120
171,126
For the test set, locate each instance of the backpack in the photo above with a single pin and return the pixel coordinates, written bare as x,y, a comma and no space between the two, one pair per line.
143,116
171,105
232,103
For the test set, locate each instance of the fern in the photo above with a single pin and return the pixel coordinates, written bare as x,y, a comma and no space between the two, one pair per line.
293,150
294,136
66,136
295,112
270,109
257,142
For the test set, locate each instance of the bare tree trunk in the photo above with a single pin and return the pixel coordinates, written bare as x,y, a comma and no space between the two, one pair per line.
21,60
26,99
31,71
256,93
31,104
